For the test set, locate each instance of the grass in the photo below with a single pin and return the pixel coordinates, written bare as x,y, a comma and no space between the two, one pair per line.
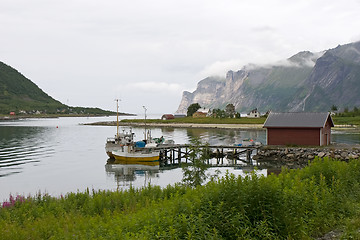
207,120
296,204
337,120
347,120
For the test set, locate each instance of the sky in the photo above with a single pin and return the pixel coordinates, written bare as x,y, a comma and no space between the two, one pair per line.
147,52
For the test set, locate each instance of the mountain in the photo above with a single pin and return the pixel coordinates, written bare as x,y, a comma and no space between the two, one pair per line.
304,82
18,94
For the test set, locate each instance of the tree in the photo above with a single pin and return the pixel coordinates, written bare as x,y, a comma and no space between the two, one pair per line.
195,173
334,108
356,110
230,110
217,113
192,109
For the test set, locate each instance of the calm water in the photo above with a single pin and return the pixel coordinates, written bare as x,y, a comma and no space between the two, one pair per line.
56,156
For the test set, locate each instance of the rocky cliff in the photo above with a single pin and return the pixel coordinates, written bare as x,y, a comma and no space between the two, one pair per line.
305,82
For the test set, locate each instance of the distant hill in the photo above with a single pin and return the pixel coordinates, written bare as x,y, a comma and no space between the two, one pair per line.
18,94
305,82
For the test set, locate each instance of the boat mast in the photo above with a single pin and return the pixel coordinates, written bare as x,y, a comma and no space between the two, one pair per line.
145,124
117,118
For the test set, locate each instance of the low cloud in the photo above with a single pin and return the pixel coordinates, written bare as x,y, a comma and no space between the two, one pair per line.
308,61
219,68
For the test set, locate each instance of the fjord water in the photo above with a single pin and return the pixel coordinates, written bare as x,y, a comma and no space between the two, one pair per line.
59,155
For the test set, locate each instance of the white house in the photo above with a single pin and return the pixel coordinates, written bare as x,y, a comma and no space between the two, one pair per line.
253,114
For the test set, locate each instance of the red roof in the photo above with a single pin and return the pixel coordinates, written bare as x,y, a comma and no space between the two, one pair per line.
167,116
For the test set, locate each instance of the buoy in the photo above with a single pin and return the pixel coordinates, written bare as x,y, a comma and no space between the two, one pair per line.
57,126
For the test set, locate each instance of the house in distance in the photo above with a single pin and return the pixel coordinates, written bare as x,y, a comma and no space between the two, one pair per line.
253,114
167,117
301,128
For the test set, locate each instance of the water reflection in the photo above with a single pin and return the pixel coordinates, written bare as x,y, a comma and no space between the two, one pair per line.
124,174
347,137
226,136
22,145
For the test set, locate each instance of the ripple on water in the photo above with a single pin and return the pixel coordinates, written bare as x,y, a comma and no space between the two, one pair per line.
28,149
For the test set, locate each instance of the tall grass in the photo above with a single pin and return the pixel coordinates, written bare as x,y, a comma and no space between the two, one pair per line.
296,204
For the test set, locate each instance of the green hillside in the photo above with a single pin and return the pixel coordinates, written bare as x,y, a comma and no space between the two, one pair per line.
21,96
17,93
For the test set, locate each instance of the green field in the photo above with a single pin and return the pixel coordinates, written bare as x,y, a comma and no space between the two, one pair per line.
338,120
207,120
347,120
296,204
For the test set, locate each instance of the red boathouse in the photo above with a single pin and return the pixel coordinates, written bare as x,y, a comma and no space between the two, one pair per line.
312,129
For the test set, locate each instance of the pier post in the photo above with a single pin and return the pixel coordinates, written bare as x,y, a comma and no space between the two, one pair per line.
179,155
248,155
222,156
217,156
174,155
170,157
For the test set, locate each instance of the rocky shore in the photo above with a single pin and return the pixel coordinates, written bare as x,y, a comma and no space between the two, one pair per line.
300,156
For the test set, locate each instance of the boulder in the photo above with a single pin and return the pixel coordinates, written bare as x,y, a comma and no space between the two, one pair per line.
321,154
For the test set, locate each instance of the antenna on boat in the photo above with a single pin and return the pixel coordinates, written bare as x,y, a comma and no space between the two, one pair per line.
117,118
145,123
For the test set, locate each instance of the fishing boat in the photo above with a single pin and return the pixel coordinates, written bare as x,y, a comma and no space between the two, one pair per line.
123,148
129,151
115,143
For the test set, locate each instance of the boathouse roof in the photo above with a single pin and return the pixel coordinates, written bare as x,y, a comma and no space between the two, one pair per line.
298,120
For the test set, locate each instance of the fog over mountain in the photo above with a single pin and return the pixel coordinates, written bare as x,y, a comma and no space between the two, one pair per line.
304,82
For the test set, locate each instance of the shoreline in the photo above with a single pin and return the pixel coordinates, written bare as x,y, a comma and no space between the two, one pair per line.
183,125
206,125
17,117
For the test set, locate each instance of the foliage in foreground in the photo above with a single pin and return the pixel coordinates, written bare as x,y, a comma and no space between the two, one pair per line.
194,174
297,204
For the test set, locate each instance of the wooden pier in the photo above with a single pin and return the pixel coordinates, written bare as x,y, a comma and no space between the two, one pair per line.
175,155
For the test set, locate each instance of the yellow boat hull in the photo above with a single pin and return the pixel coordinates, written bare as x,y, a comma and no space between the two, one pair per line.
136,158
147,163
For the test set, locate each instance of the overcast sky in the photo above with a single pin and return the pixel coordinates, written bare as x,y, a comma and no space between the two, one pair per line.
147,52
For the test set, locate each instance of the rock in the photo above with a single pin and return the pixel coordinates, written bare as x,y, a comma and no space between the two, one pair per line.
321,154
290,155
353,156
